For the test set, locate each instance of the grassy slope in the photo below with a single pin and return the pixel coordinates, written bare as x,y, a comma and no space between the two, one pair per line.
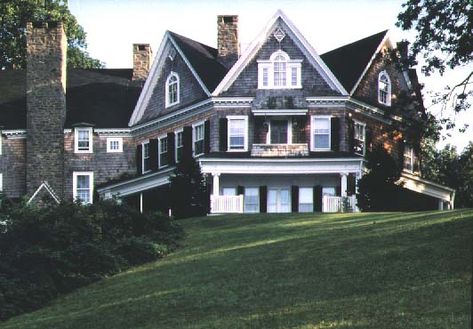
393,270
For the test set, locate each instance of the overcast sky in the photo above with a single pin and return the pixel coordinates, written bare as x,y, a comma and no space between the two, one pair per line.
112,26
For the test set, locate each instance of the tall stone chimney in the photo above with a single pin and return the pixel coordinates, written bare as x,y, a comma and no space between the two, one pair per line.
46,106
142,54
227,39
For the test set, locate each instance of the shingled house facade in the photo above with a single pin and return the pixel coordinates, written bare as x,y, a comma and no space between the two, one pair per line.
277,128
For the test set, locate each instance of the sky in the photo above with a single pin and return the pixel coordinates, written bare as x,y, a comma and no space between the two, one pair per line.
112,26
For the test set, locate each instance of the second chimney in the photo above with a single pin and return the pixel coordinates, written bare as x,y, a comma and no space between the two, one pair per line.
227,39
141,61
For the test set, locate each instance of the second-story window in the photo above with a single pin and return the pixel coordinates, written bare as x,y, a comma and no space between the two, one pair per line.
179,145
199,139
320,133
279,72
384,89
114,144
172,89
237,132
408,158
83,140
145,157
359,138
163,152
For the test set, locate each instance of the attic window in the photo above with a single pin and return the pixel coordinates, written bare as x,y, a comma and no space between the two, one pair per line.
384,89
172,89
279,34
279,72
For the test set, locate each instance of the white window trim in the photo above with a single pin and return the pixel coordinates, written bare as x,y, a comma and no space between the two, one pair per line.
312,127
181,130
388,97
411,153
115,139
355,122
74,184
143,156
245,143
1,182
178,98
159,152
193,137
269,65
76,140
289,132
1,142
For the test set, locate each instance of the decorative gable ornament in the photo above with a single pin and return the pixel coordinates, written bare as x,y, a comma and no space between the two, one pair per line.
172,54
279,34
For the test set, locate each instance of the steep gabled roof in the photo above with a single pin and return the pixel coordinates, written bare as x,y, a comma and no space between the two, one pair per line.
349,62
203,60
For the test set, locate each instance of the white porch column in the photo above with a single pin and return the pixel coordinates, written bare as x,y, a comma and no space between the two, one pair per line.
440,204
216,183
344,184
141,202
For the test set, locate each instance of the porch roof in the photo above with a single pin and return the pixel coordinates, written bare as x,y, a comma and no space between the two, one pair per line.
420,185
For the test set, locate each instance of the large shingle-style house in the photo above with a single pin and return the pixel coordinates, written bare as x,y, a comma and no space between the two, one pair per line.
276,128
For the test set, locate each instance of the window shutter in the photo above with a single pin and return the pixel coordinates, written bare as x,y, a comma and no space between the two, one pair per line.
295,198
317,195
338,190
351,183
240,190
335,138
171,149
400,153
139,163
351,135
368,138
207,137
263,194
153,154
187,142
223,123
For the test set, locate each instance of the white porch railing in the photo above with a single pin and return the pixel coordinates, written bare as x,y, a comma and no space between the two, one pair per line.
222,204
335,204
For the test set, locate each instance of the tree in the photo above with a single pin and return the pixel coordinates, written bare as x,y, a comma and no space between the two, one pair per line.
14,14
189,193
444,37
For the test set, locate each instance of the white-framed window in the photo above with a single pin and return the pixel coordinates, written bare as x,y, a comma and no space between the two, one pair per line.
384,88
172,89
145,158
229,191
114,144
279,72
320,133
1,141
198,138
83,186
329,191
179,141
251,200
237,133
408,158
83,140
306,199
359,138
279,131
163,151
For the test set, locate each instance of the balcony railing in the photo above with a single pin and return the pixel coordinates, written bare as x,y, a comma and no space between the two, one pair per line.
337,204
225,204
280,150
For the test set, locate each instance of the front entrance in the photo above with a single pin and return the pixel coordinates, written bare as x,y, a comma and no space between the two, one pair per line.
279,200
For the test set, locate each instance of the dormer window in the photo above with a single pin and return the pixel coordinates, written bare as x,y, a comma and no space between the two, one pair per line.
384,89
172,89
279,72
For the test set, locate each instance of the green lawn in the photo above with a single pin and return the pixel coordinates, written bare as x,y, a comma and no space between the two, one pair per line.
385,270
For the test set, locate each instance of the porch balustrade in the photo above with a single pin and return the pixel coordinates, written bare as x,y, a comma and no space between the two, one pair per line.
225,204
336,204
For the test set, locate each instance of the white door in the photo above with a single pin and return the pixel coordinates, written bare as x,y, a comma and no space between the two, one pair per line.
279,200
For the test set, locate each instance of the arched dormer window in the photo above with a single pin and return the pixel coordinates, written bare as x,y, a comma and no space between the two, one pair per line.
172,89
384,89
279,72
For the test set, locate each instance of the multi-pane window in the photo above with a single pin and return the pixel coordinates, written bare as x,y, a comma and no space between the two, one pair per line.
145,157
279,71
172,89
320,133
83,140
114,144
359,138
306,199
384,89
408,158
251,200
163,152
237,131
199,139
83,186
179,145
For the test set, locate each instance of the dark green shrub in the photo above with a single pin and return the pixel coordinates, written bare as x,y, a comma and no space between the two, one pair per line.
139,250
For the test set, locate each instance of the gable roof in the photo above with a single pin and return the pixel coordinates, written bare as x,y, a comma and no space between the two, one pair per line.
349,62
104,98
305,46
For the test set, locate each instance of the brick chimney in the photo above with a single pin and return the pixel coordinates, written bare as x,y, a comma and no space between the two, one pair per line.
142,54
46,106
227,39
